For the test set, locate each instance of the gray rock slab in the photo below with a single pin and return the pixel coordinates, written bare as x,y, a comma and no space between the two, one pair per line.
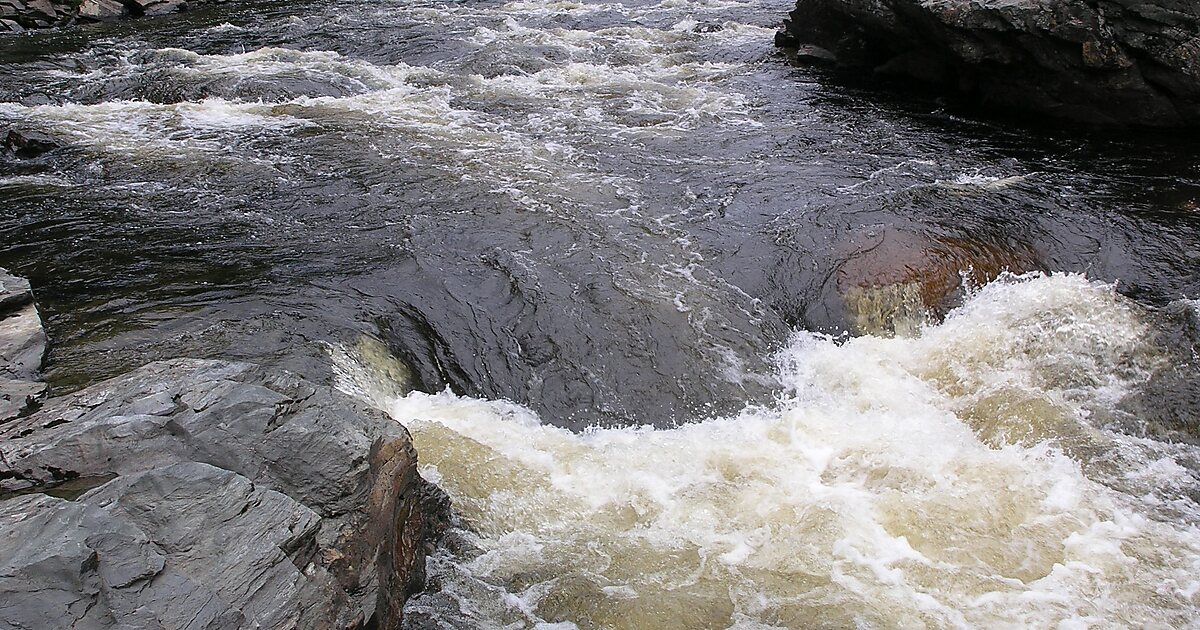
352,466
18,397
14,292
100,10
23,346
184,546
307,441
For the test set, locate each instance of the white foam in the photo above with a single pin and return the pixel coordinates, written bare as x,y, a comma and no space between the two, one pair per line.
152,130
978,180
879,491
225,27
35,180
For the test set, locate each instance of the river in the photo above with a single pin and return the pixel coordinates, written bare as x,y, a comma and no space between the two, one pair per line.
694,337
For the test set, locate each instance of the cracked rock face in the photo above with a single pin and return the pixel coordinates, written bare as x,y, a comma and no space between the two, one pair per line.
228,494
1099,62
187,545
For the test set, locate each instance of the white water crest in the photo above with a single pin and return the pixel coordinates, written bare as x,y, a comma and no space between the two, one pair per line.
627,82
955,479
621,81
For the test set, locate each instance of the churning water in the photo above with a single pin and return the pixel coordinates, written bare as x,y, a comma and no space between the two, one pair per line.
694,338
964,477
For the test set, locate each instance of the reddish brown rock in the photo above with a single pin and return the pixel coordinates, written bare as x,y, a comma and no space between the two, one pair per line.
896,280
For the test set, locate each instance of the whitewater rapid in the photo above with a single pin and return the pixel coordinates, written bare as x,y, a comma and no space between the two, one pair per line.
961,478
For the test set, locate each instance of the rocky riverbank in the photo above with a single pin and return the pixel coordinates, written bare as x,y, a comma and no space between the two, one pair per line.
17,16
1101,62
204,494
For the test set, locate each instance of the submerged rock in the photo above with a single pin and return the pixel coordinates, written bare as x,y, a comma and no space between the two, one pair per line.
28,144
1091,61
892,281
243,497
22,348
1164,407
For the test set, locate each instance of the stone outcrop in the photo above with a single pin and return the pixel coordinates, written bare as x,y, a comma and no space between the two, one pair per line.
214,495
17,16
1104,62
99,10
22,348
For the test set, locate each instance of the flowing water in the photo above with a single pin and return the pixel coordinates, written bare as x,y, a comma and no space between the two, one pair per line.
693,337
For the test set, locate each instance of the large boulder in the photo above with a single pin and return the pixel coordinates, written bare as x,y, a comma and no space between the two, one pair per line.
22,348
1105,62
226,493
101,10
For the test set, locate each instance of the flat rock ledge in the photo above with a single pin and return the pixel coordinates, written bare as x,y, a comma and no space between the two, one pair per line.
209,494
1095,62
18,16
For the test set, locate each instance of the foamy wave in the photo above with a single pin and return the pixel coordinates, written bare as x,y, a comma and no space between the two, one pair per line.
900,482
152,130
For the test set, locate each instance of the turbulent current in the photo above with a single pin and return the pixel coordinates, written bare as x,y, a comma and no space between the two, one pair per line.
954,479
693,336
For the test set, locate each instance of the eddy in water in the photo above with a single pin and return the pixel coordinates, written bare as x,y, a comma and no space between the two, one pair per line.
960,478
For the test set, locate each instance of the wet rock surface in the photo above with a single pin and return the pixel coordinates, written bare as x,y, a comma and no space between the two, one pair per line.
242,497
893,281
22,348
1163,406
1103,62
189,545
17,16
28,144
